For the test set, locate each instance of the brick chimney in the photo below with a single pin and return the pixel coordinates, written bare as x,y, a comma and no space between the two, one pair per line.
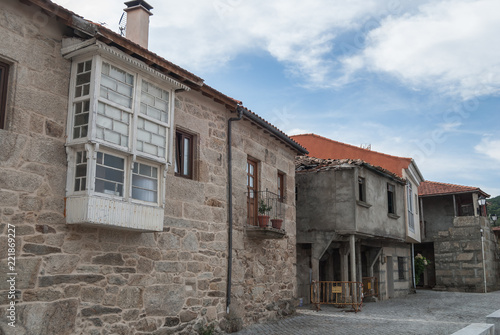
138,13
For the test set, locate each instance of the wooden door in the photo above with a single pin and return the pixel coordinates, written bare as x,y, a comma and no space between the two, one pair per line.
252,195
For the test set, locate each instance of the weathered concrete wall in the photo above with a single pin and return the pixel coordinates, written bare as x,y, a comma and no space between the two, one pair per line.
87,280
457,247
375,219
327,204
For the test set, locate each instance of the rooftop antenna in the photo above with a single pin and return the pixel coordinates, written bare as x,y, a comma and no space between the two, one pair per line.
122,25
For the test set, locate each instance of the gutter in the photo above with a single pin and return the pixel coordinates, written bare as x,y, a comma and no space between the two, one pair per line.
239,110
270,128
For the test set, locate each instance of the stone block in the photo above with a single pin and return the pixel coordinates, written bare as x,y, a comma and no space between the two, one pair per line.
19,181
40,249
8,199
190,242
109,259
465,257
494,318
129,297
45,150
26,269
187,316
99,310
172,267
60,264
164,300
92,294
45,281
477,329
13,145
48,318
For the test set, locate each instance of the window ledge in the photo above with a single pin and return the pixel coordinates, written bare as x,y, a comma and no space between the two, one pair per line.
113,213
363,204
265,232
393,216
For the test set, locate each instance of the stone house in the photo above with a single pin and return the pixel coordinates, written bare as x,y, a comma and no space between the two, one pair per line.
131,213
351,226
456,232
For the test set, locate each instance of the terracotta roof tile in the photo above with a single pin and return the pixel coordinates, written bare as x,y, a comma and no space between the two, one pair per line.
429,188
325,148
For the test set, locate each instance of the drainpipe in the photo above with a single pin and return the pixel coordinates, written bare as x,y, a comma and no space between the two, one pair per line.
230,207
413,266
482,250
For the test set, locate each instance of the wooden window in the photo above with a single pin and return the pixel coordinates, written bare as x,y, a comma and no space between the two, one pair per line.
281,186
184,154
252,189
391,204
361,189
4,76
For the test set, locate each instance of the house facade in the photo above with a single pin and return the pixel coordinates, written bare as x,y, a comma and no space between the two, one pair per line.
457,238
351,226
406,168
129,187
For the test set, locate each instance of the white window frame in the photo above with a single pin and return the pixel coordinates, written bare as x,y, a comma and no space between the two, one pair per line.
134,111
112,210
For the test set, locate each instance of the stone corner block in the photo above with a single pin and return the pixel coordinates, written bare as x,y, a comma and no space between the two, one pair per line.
477,329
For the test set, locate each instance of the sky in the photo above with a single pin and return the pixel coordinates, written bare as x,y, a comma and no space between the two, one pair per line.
417,79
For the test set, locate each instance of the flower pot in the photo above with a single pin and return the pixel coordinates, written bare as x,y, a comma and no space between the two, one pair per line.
277,223
263,220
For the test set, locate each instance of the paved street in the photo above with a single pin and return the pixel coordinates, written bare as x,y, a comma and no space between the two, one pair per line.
426,312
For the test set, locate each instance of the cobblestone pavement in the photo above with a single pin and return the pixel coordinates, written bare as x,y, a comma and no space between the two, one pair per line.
426,312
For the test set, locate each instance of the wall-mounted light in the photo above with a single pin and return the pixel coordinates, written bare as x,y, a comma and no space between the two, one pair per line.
481,201
494,219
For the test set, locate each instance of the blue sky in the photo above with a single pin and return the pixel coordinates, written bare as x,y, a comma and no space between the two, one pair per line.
417,79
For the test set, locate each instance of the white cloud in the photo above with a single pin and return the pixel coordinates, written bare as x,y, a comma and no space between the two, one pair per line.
489,147
450,46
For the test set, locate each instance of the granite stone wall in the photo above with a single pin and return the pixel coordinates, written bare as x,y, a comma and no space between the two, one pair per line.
89,280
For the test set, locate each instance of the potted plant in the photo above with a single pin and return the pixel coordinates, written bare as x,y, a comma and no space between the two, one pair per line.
276,222
263,216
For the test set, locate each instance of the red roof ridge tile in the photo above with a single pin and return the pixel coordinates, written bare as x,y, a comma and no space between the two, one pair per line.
351,145
428,188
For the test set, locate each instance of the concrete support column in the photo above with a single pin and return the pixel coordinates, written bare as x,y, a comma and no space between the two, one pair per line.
344,264
352,250
359,273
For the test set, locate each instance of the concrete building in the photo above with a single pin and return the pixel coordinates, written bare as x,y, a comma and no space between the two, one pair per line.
406,168
456,234
351,225
131,213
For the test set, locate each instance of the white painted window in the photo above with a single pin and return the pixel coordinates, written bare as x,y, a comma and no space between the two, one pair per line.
120,142
409,199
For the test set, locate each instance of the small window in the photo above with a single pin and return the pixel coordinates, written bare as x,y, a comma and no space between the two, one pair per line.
109,174
281,186
416,204
4,76
184,154
401,268
81,171
145,182
361,189
391,205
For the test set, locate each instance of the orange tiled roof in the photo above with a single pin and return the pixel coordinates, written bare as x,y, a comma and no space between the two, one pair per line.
428,188
325,148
